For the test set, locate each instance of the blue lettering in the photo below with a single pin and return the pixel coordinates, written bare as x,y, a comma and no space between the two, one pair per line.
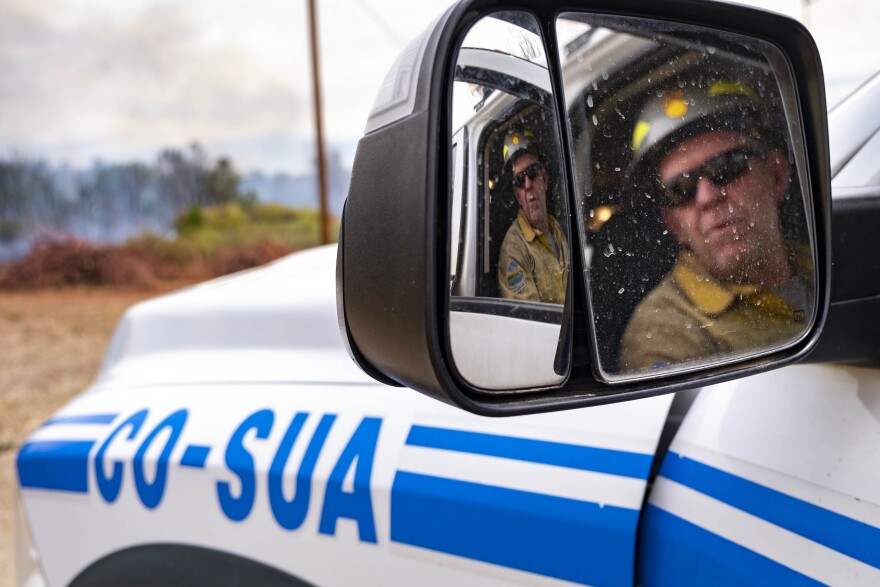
109,487
151,493
240,462
291,514
356,505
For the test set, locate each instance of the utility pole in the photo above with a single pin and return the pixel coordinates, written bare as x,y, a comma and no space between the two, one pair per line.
319,125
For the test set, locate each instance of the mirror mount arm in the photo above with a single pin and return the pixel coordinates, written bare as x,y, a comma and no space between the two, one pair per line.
562,358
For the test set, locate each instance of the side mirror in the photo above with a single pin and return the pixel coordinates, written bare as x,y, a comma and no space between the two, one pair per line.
555,208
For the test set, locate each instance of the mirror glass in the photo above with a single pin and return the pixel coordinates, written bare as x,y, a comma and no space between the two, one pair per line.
509,237
690,187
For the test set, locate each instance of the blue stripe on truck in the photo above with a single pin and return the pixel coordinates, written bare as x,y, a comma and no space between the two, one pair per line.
677,553
552,536
846,535
81,419
585,458
62,465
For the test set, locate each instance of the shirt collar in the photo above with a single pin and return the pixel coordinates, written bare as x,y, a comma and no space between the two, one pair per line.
528,232
707,293
713,297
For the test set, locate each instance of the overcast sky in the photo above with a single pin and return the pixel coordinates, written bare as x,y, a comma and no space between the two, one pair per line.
118,80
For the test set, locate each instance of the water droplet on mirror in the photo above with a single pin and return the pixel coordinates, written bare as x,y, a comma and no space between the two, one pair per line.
590,100
665,232
712,50
605,75
595,121
648,335
621,290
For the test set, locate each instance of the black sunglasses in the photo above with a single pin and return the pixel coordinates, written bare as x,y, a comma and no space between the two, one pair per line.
720,170
532,171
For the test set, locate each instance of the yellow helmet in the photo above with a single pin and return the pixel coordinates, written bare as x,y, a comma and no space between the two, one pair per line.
679,112
517,143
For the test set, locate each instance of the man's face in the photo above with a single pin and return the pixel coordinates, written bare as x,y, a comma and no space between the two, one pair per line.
728,195
532,193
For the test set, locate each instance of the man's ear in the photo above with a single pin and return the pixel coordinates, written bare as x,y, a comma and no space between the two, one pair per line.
673,225
781,173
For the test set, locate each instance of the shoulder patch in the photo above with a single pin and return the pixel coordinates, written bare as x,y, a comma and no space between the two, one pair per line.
516,277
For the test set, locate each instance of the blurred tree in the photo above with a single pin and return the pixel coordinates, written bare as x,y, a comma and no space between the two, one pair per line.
222,185
118,200
29,197
182,176
186,180
11,197
10,230
110,202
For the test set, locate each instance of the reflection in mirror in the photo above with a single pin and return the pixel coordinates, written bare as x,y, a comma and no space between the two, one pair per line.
691,198
509,243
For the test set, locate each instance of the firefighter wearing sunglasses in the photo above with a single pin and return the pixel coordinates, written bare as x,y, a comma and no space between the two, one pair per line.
533,262
717,170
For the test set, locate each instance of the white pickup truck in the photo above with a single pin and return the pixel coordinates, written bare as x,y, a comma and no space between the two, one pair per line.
231,439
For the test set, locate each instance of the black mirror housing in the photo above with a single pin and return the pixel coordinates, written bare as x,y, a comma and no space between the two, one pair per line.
385,242
392,265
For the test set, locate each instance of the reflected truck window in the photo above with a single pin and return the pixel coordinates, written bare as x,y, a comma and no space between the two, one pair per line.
509,240
690,195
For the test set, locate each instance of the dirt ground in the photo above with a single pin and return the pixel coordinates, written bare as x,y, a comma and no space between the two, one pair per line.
52,344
